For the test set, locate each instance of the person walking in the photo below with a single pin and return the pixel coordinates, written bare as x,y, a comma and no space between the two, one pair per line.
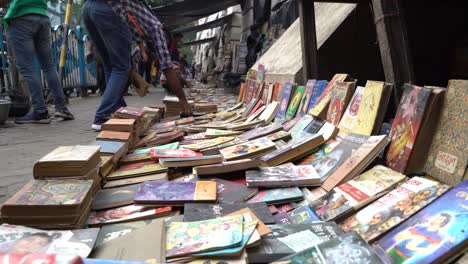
112,39
29,29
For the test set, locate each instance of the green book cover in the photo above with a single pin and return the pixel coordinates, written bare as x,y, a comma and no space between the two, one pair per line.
295,102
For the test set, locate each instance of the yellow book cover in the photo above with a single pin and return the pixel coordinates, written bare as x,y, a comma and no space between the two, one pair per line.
369,108
324,99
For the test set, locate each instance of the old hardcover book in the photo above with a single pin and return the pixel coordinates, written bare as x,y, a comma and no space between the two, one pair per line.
339,100
135,180
349,197
115,197
283,176
128,248
369,108
320,107
295,102
23,239
357,162
303,106
218,233
348,120
319,87
213,133
438,232
226,167
277,196
136,169
114,136
126,213
49,197
448,155
293,150
120,125
156,154
303,215
203,211
288,239
406,125
190,161
348,247
72,161
247,149
393,208
115,149
156,192
129,112
284,101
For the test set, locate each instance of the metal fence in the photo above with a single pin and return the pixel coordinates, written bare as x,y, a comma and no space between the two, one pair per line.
78,74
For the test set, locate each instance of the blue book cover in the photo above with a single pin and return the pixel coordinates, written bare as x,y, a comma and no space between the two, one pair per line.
108,146
303,215
431,234
284,101
319,86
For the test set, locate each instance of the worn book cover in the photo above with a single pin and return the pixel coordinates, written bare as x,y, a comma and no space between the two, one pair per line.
156,154
224,232
113,231
303,106
246,149
126,213
277,196
448,156
356,193
114,135
250,216
276,92
282,218
321,105
129,112
23,239
405,126
433,235
339,100
319,87
301,125
270,112
280,135
190,161
288,239
346,248
369,108
303,215
211,132
173,145
176,192
229,192
284,101
394,207
135,157
118,124
73,154
110,147
135,180
208,143
314,158
137,169
260,132
348,120
295,102
114,197
283,176
204,211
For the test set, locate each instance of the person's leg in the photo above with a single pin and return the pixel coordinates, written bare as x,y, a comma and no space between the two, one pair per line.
20,33
43,48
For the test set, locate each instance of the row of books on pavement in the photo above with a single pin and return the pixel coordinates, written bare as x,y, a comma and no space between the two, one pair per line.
282,173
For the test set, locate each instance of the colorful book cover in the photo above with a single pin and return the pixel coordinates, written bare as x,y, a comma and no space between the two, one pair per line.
208,143
110,232
356,193
277,196
295,102
247,148
184,238
301,125
261,72
318,88
51,192
405,127
347,248
173,192
21,239
140,168
280,135
156,154
302,110
173,145
250,92
324,99
314,158
210,132
339,101
303,215
201,135
394,207
283,176
126,214
276,90
135,157
448,155
205,211
284,101
432,234
349,117
369,108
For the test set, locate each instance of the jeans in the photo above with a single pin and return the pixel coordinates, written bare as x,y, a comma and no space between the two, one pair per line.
29,35
112,39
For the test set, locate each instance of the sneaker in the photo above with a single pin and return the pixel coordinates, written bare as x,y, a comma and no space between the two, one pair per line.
97,124
65,114
34,118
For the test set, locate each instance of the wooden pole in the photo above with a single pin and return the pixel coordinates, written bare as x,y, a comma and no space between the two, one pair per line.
63,48
308,39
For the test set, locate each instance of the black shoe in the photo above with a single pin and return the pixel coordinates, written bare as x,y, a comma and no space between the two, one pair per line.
34,118
65,114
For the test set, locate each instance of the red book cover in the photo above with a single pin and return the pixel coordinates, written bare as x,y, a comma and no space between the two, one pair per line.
251,90
276,89
156,154
256,107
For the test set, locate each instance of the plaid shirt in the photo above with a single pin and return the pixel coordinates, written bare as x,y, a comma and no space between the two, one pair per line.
148,28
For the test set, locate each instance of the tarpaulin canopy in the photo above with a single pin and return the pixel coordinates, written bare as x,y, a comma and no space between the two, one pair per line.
189,10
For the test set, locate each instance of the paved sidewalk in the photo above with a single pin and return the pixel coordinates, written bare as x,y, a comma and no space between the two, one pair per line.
22,145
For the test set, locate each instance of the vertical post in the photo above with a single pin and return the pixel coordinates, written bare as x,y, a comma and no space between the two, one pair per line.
393,42
63,49
81,57
308,39
4,67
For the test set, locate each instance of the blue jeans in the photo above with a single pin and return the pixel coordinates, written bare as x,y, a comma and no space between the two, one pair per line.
29,36
112,39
